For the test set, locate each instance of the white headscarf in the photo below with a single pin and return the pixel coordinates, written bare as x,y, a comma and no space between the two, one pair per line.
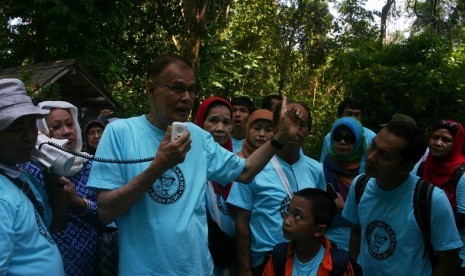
42,127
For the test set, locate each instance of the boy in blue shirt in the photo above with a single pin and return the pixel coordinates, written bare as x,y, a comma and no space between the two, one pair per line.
310,253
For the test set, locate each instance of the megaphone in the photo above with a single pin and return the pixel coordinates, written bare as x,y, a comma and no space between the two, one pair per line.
51,158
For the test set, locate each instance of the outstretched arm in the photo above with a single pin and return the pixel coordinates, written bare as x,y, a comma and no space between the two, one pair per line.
115,203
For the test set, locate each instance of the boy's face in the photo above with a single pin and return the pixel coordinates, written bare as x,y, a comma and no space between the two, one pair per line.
240,115
18,140
299,223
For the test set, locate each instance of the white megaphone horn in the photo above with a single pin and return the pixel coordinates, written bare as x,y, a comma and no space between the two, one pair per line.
51,158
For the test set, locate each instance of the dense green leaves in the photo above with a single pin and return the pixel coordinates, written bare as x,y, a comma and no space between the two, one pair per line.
256,48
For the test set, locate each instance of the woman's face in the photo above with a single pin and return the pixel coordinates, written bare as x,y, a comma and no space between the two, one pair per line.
344,141
61,126
260,132
218,123
441,143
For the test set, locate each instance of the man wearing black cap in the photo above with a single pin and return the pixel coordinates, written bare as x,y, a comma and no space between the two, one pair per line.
26,247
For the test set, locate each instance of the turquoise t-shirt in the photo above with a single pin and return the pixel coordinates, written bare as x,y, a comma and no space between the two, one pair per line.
309,268
267,200
218,208
237,144
26,246
460,197
391,241
165,232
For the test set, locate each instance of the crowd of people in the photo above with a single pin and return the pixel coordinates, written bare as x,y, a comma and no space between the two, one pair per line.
235,194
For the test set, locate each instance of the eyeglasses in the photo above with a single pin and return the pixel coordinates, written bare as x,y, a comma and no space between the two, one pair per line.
179,89
95,133
349,139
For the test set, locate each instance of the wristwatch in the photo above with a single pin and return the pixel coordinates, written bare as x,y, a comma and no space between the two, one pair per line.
277,145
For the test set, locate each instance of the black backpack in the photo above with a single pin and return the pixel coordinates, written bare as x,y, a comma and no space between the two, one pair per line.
421,209
339,257
453,180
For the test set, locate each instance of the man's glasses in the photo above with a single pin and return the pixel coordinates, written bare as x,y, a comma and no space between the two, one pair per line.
349,139
95,133
179,89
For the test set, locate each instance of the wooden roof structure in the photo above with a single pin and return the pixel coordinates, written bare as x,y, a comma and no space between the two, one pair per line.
75,84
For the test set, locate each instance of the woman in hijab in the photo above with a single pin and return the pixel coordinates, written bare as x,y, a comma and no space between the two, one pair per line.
77,243
345,160
258,131
215,116
445,161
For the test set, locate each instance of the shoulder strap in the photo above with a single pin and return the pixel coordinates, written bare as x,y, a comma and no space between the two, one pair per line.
26,189
360,186
339,258
422,211
282,176
279,257
455,178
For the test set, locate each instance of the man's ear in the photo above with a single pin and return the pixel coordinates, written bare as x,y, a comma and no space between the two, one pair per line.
320,230
150,87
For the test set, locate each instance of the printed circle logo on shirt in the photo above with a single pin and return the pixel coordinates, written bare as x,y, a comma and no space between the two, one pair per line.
42,230
381,240
169,188
284,206
222,205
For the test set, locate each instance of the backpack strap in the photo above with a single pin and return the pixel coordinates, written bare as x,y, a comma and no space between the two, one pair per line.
360,187
339,258
421,169
279,255
455,178
422,211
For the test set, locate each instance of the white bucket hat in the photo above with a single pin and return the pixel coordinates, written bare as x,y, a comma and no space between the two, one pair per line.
15,103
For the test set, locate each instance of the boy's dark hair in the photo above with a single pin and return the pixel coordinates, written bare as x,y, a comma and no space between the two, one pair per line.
266,101
415,138
161,62
348,103
322,205
245,101
277,112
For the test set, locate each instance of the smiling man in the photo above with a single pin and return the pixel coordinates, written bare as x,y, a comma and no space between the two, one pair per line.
163,228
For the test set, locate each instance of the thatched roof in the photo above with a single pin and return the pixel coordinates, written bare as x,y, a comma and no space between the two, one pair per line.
75,84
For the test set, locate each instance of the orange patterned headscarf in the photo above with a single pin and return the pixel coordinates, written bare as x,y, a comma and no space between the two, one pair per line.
247,147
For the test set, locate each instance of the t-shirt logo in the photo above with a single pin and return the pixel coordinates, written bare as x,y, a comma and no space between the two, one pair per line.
284,206
169,187
42,230
381,240
222,206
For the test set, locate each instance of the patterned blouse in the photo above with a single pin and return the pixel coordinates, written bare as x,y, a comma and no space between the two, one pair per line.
78,243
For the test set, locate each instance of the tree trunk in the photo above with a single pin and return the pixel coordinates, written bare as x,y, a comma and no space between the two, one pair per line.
384,14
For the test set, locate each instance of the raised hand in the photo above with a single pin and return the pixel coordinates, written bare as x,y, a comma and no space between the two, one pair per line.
172,153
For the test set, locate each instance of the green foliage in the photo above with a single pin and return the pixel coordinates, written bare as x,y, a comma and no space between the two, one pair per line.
253,48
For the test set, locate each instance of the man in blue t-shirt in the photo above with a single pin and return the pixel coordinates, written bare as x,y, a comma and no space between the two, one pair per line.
159,205
348,108
261,205
385,236
242,108
26,246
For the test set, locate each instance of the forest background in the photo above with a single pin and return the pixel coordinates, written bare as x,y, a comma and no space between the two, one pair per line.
259,47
